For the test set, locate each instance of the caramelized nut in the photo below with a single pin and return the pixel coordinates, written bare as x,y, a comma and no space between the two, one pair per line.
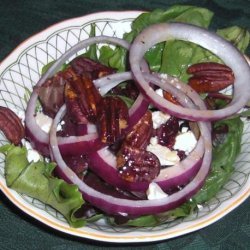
170,97
51,93
11,125
73,109
82,65
210,77
137,165
112,119
82,98
141,133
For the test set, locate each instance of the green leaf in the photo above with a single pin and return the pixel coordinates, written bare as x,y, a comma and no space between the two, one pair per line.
117,58
224,156
35,180
129,102
157,219
143,221
15,156
48,65
238,36
114,58
91,52
179,55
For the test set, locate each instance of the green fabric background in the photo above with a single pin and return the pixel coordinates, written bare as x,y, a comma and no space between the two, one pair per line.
21,19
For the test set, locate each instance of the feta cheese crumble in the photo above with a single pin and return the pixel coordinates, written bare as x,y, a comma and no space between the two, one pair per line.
164,154
159,92
185,141
155,192
43,121
32,154
159,118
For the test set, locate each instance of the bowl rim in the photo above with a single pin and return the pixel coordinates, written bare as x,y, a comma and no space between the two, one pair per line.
181,229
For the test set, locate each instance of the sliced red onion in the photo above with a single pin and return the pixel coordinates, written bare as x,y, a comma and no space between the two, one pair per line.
139,107
35,134
217,45
112,205
103,162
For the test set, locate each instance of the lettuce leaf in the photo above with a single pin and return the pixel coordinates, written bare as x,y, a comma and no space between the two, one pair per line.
238,36
35,179
157,219
224,156
179,13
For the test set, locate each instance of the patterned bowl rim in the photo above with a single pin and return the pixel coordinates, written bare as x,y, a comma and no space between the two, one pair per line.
93,233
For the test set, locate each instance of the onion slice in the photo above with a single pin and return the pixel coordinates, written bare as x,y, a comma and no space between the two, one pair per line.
139,107
223,49
103,162
40,139
113,205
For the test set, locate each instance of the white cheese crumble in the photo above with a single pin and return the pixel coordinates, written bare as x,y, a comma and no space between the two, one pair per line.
154,192
59,126
159,118
44,122
159,92
185,141
32,155
164,154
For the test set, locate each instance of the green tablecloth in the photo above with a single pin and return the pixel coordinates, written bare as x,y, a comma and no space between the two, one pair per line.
21,19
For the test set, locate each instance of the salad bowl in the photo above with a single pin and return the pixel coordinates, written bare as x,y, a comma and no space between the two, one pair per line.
22,69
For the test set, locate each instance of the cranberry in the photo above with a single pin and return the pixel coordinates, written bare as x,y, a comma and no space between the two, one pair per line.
167,132
181,154
78,164
129,90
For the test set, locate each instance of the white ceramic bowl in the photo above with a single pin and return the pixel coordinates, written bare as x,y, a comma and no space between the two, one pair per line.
21,70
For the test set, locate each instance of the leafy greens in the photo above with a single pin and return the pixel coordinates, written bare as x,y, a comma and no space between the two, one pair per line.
172,57
36,180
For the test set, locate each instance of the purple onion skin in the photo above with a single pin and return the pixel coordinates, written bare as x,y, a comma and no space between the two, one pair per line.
111,176
180,180
76,148
95,182
41,147
110,209
79,148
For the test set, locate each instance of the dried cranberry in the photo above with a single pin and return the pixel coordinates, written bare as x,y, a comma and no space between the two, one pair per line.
137,165
68,128
129,90
181,154
167,132
78,164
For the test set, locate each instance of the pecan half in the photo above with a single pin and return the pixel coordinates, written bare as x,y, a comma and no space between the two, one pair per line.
11,125
137,165
210,77
51,93
83,65
72,103
141,133
170,97
112,119
82,98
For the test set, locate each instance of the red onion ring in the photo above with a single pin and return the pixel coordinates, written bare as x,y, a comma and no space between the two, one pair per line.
103,162
112,205
40,139
227,52
139,107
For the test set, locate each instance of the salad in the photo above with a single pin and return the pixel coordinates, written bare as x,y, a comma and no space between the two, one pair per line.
139,134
